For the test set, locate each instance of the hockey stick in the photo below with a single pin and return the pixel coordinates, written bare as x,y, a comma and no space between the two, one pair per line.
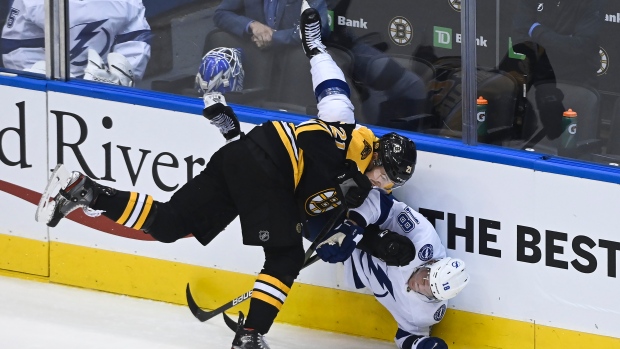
203,315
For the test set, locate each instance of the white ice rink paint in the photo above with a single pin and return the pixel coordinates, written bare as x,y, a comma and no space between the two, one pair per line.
42,315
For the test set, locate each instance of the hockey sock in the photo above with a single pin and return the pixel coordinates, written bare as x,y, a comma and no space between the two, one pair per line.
327,77
331,90
267,298
130,209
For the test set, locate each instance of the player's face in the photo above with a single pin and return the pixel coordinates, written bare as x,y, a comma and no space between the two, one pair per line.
379,178
419,282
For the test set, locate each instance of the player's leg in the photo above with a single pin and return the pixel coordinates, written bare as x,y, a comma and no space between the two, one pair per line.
70,191
271,218
282,265
330,87
201,207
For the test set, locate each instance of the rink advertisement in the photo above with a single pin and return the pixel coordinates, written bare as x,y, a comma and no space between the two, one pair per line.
23,242
542,249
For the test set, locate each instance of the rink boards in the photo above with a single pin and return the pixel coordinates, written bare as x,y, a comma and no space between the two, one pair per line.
540,240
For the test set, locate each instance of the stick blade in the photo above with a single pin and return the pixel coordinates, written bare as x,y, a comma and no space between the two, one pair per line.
232,324
194,308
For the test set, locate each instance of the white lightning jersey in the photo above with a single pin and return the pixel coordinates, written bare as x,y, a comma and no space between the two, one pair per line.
103,25
412,311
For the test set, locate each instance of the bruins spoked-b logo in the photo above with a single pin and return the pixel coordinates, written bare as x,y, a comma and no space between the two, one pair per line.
400,31
322,202
455,4
602,70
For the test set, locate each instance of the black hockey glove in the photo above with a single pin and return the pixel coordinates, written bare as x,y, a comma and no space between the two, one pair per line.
392,248
338,247
354,185
550,111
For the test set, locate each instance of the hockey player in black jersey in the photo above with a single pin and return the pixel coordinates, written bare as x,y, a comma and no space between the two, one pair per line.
273,178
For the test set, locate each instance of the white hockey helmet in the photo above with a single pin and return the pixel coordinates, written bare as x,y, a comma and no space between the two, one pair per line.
220,71
447,277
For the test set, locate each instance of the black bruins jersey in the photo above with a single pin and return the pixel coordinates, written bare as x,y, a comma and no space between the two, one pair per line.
309,156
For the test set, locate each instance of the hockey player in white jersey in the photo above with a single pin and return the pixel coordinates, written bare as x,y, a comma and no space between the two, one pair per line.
415,294
97,28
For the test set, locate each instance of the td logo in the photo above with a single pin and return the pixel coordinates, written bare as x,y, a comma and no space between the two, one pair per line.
442,37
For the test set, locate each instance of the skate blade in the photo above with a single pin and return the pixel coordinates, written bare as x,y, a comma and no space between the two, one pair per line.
58,180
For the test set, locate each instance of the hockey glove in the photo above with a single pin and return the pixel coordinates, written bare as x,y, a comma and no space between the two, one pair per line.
118,71
120,67
339,246
392,248
550,111
354,185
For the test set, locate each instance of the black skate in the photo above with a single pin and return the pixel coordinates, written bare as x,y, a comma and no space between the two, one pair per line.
247,338
310,31
221,115
75,191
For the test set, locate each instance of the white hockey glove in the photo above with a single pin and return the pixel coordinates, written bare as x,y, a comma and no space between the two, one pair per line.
38,67
121,68
119,73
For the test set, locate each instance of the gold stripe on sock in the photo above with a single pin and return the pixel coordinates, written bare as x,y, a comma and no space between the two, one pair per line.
129,208
274,282
267,299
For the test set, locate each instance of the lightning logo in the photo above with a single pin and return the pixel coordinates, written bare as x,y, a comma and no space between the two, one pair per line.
380,276
89,37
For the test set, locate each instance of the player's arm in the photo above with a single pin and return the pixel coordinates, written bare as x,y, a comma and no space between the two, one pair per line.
134,42
585,35
23,38
326,144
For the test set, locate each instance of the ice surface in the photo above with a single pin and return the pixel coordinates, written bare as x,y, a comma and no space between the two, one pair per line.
41,315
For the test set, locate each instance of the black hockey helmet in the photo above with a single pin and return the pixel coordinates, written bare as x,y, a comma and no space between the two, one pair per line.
397,155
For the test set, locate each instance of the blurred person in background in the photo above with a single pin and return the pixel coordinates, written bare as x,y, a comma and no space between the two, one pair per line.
267,23
559,41
108,39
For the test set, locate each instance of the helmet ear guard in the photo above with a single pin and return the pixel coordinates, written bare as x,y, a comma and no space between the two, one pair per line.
397,155
220,71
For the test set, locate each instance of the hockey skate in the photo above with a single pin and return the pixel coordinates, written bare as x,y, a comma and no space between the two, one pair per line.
248,338
70,191
221,115
310,31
